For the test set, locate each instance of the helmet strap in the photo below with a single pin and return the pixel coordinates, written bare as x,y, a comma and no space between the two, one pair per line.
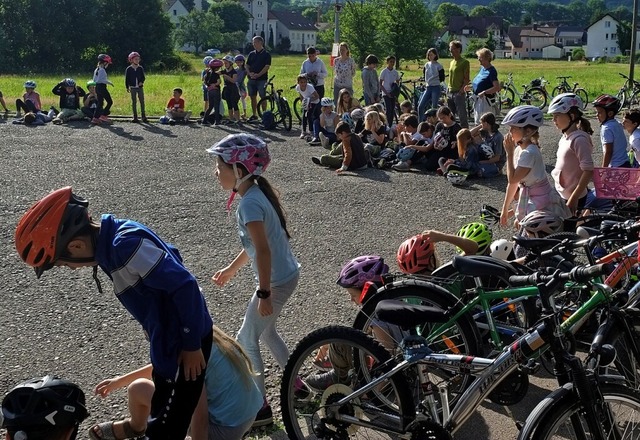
239,181
571,122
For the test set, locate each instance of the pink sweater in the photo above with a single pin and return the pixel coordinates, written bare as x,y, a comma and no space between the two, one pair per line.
573,157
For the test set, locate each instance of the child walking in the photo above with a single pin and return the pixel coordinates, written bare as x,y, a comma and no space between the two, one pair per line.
242,87
241,159
30,101
102,80
134,81
151,282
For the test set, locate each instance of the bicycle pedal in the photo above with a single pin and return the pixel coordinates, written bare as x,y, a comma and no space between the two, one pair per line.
531,367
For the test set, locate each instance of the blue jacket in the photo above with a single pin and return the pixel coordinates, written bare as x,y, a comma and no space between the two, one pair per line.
151,282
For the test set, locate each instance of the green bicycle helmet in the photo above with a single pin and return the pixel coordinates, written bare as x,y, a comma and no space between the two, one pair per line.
478,232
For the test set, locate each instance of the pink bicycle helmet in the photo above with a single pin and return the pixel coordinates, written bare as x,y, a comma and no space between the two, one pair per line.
132,55
215,63
360,270
416,254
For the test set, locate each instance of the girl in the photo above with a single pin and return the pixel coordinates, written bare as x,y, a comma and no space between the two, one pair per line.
226,408
433,75
525,168
206,60
134,82
467,156
30,101
101,80
631,123
374,133
346,102
344,69
90,106
310,99
212,82
574,162
445,144
231,93
491,152
242,88
241,159
325,125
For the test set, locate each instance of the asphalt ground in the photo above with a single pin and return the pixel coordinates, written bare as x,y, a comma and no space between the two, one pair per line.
160,175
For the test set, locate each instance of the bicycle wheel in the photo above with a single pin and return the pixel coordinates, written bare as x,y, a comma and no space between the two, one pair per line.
557,90
285,111
310,413
537,97
626,363
622,96
582,93
507,98
561,415
297,109
266,103
634,100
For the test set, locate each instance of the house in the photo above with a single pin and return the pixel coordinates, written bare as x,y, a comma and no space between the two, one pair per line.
569,38
528,41
602,38
465,28
176,9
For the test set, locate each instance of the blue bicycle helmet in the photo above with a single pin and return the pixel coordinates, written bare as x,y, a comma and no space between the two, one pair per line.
30,84
69,82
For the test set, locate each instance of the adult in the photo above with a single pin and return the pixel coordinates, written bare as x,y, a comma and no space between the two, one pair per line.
458,79
315,70
433,75
485,85
344,69
257,66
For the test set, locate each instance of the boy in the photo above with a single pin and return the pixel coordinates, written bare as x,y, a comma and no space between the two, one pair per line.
134,79
70,95
90,106
348,155
415,139
614,142
432,116
37,118
175,108
389,78
310,100
150,280
370,82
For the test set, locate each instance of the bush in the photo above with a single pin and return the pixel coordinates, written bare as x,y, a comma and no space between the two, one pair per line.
175,62
578,54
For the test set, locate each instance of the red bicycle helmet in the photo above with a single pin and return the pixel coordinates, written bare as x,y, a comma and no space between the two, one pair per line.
416,254
103,57
46,228
607,102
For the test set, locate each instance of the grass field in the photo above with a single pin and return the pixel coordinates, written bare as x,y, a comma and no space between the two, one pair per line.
596,78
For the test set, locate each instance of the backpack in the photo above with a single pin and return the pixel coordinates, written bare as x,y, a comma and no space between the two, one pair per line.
268,121
441,75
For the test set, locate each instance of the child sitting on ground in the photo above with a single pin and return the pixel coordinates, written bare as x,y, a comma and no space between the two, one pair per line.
70,94
491,151
37,118
30,101
348,155
412,153
91,105
468,158
175,108
374,135
324,127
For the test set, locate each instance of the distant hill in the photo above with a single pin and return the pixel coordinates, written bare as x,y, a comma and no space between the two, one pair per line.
470,4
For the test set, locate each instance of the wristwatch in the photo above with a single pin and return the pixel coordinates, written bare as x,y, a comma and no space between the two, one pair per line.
263,293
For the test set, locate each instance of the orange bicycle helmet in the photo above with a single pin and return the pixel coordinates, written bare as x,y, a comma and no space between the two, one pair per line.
46,228
416,254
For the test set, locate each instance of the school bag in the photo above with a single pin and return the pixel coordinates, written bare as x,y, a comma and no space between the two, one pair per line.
268,121
441,75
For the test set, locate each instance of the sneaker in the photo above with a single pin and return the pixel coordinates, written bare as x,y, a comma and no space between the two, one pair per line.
55,110
96,121
136,120
253,118
264,417
401,166
304,135
323,364
324,141
57,121
104,118
314,141
322,381
172,122
439,172
316,160
18,114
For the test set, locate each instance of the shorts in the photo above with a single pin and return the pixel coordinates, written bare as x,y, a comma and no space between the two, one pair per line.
255,87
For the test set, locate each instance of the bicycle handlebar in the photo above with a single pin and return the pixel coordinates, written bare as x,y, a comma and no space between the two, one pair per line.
580,274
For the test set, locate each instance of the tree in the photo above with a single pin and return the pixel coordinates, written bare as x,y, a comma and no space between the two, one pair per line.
359,26
595,9
482,11
200,29
624,36
510,10
233,15
444,12
399,20
310,14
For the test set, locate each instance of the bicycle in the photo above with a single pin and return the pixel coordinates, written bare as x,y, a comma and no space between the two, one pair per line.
378,396
629,94
564,87
275,102
531,95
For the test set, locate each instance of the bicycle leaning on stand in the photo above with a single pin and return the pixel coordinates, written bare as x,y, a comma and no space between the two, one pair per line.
532,94
564,87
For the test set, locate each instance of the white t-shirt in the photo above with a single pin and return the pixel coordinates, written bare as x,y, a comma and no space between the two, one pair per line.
531,158
387,78
634,143
307,93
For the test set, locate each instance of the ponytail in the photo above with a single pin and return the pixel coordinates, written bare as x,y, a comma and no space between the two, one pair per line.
584,125
235,353
274,197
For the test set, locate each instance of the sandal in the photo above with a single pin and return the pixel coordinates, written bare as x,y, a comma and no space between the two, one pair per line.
106,431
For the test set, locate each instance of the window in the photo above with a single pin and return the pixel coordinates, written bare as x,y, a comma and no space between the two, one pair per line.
613,50
606,36
175,12
256,26
614,37
607,24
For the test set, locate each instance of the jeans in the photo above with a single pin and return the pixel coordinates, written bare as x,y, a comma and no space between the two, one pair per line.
428,100
317,129
390,108
460,108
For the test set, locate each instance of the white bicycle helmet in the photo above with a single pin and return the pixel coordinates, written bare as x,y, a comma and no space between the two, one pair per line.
456,177
541,223
564,102
501,249
357,113
487,151
440,142
523,116
326,102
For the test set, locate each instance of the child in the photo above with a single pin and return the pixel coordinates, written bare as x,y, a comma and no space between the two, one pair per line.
631,123
152,283
445,143
468,159
433,76
43,408
70,95
232,402
324,127
370,82
374,135
101,80
175,108
134,81
614,143
389,78
408,135
241,159
230,93
310,100
37,118
242,87
349,155
431,116
4,104
346,103
212,82
90,107
30,100
315,70
412,153
492,157
206,60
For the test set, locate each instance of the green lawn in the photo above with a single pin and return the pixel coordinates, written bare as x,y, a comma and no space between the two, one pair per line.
596,78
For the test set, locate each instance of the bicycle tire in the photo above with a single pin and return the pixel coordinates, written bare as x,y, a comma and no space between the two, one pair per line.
297,109
507,98
634,100
557,90
269,103
626,363
538,97
285,110
551,418
301,409
622,97
583,95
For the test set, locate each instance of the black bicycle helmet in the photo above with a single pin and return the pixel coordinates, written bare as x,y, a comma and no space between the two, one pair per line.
41,404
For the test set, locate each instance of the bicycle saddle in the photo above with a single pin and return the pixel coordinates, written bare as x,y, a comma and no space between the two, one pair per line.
478,268
407,315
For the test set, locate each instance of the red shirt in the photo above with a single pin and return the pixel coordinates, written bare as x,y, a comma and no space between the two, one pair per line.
173,103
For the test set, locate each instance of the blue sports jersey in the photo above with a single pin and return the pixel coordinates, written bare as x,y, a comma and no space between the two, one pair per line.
151,282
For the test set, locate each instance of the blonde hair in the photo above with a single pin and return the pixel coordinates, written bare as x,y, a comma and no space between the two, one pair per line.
372,121
464,139
485,53
235,353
